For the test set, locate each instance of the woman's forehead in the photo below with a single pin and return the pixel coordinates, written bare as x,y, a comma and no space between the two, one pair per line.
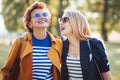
39,10
65,15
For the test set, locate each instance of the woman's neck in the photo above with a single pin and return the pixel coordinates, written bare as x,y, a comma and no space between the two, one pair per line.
73,40
74,47
39,34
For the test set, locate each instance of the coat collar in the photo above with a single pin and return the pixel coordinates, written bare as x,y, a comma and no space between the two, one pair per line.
53,53
28,36
84,55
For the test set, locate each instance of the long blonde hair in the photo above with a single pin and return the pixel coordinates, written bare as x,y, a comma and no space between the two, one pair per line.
79,24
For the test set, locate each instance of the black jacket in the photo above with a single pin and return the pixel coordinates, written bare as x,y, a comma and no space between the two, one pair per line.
89,69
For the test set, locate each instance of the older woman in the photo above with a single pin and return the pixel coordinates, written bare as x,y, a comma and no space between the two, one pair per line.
41,50
77,61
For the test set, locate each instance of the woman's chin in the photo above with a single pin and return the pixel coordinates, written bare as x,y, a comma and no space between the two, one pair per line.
44,25
62,33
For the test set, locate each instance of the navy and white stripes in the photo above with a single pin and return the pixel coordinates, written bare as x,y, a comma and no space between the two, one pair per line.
74,68
41,64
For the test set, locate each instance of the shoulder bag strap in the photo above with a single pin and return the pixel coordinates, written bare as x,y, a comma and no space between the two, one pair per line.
88,42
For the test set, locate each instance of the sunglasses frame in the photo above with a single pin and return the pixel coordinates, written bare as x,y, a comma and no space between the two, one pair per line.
38,15
63,19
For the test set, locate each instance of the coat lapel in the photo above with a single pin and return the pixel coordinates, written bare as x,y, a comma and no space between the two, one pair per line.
27,48
65,51
53,52
84,56
27,45
53,55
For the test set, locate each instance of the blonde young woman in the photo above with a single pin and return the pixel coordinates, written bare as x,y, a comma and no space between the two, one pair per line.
77,63
40,57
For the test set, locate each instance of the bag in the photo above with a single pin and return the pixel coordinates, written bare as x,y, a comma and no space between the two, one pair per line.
94,60
13,72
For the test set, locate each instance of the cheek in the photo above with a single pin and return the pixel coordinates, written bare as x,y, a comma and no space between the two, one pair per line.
68,27
49,22
33,20
71,31
32,23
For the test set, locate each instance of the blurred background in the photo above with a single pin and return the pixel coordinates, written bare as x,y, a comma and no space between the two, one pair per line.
103,17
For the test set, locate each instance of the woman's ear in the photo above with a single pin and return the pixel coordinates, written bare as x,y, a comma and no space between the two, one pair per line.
30,25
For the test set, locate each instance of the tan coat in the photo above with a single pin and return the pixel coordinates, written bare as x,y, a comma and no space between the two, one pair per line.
25,73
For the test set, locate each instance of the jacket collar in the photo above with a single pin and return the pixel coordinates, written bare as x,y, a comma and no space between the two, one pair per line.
52,53
27,46
83,56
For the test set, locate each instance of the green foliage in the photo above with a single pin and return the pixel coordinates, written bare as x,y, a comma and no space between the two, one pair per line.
12,13
3,54
113,14
113,49
13,10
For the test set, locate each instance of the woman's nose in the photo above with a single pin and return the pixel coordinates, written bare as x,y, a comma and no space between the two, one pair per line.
60,22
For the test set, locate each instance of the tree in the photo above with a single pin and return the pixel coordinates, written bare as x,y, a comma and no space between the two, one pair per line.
105,12
109,15
62,5
13,11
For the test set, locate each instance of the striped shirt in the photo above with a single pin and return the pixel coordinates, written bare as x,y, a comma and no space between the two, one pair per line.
74,68
42,66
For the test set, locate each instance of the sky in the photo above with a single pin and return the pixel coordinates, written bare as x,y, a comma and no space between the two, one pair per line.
2,26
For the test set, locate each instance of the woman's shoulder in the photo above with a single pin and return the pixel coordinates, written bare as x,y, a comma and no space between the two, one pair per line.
21,37
97,43
96,40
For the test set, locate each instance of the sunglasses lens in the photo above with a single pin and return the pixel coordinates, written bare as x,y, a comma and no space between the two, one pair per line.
37,15
45,14
64,19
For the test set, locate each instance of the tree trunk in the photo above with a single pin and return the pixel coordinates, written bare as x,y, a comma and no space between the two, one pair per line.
61,8
60,14
104,30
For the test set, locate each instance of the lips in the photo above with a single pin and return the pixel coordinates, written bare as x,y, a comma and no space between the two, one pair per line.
62,29
42,21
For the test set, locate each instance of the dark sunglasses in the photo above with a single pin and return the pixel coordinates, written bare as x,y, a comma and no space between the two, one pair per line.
38,15
63,19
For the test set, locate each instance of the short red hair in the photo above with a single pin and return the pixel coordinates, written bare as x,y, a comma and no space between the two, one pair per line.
27,14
